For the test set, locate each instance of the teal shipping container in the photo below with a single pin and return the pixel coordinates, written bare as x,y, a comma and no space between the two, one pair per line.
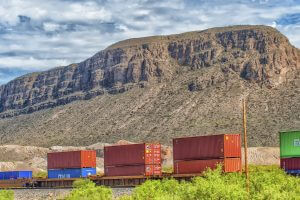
289,144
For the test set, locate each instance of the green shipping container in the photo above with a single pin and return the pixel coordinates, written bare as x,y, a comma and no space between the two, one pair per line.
289,144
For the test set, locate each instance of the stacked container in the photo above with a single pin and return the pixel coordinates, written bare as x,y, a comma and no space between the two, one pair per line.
194,155
71,164
132,160
290,151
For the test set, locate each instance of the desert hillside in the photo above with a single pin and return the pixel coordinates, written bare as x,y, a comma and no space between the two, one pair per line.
157,88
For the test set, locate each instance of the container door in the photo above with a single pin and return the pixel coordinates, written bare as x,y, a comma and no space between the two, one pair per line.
148,154
232,146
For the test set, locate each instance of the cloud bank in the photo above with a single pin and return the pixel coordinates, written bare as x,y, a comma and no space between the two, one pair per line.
37,35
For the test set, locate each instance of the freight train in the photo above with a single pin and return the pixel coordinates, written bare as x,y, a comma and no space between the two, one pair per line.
133,164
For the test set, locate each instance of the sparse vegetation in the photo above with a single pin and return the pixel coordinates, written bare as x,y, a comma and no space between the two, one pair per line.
87,190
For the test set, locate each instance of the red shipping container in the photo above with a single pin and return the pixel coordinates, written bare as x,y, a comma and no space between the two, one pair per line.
199,166
72,159
133,170
207,147
132,154
290,163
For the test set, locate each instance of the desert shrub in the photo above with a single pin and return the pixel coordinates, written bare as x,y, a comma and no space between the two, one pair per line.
6,195
87,190
165,189
266,182
216,185
270,182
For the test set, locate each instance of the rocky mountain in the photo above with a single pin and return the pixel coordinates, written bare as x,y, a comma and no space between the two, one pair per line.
156,88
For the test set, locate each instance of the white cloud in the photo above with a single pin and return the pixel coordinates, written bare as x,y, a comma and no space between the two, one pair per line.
61,32
30,63
50,26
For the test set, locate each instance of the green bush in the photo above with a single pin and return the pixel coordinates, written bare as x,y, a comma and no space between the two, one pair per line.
6,195
265,183
273,183
87,190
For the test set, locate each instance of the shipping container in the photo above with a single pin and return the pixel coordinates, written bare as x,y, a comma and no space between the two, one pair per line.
133,170
199,166
72,159
289,144
71,173
132,154
15,175
207,147
290,163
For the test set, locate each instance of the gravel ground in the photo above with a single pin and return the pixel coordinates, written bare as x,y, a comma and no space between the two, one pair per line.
121,191
53,194
40,194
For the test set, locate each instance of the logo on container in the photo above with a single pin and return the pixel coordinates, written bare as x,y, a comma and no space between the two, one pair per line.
148,169
297,142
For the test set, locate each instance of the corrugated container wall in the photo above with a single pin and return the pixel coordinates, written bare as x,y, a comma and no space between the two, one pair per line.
72,159
133,170
289,144
207,147
199,166
290,163
71,173
15,175
132,154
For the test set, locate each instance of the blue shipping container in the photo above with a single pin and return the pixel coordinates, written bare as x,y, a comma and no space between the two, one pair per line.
294,171
15,175
71,173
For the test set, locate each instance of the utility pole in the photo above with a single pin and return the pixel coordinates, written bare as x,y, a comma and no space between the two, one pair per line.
245,144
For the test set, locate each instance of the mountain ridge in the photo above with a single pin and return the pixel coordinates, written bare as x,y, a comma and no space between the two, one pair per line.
173,79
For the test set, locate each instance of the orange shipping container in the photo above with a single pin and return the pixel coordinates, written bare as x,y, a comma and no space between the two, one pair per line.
72,159
207,147
199,166
133,170
132,154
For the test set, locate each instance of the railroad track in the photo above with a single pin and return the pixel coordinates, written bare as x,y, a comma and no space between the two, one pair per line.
113,182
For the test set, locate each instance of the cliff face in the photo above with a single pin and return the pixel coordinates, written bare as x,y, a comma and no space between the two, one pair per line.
158,88
258,54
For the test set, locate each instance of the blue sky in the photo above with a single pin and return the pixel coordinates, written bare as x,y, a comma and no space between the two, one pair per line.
37,35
